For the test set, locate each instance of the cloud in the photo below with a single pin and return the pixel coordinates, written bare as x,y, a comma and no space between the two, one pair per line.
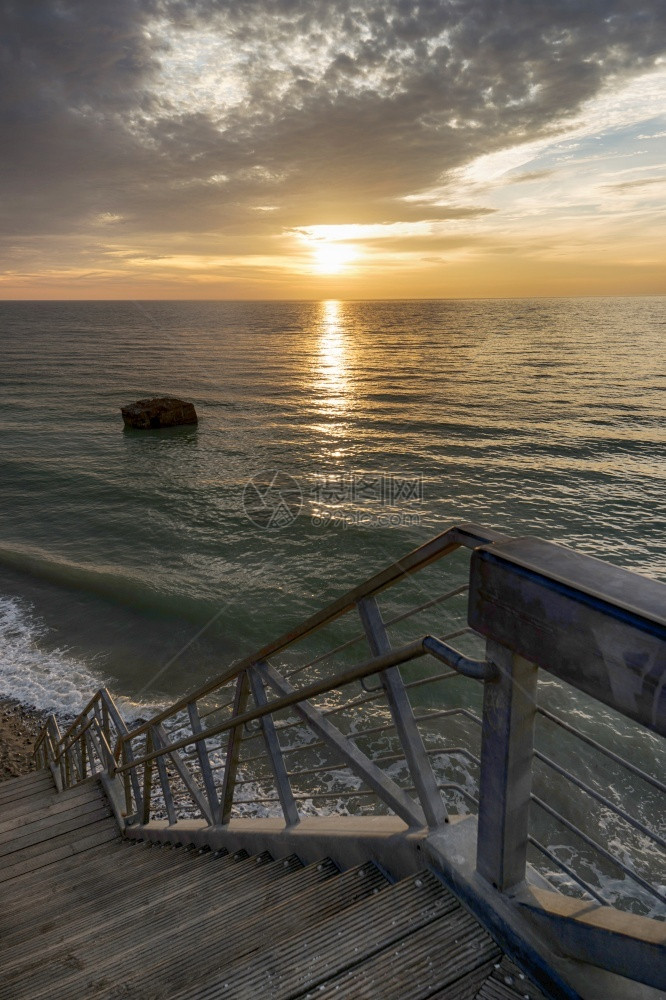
639,183
529,175
174,120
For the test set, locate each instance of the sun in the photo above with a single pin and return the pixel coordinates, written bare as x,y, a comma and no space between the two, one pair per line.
331,258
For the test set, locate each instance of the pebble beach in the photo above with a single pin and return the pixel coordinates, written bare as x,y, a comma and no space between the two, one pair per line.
19,728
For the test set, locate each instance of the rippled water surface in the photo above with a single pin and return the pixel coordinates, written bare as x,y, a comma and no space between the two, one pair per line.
537,417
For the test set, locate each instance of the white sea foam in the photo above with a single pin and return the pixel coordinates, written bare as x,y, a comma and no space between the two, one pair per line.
51,680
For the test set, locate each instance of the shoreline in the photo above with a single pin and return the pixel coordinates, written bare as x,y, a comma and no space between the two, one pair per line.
19,728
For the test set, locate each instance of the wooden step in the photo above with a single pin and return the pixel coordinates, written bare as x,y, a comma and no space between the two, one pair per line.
315,955
253,879
9,786
34,808
507,982
29,835
82,839
47,881
162,969
24,789
85,913
89,899
436,955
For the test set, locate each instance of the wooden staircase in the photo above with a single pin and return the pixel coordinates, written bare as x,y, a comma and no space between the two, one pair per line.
86,913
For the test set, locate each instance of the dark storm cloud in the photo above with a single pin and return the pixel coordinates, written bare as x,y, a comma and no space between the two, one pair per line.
346,108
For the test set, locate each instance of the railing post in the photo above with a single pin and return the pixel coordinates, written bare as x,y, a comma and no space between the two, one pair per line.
509,710
147,781
234,747
274,750
68,768
406,726
127,785
163,776
161,741
52,739
105,721
76,763
204,764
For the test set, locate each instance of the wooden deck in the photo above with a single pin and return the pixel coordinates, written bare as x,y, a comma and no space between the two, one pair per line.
86,913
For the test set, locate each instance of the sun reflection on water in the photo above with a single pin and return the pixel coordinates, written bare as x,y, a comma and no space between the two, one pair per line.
333,382
333,391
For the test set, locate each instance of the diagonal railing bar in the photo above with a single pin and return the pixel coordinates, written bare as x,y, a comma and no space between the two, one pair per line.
410,738
163,774
148,763
401,655
161,741
363,767
204,764
273,748
389,621
444,713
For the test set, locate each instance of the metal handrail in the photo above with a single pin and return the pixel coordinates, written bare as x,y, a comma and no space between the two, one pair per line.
132,757
402,655
465,535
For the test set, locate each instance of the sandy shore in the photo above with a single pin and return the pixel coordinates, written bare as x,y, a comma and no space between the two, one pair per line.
19,728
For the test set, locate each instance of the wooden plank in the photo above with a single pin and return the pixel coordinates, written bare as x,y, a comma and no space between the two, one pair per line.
596,626
25,791
50,826
320,952
427,958
98,833
47,801
9,784
507,982
119,908
468,985
52,835
161,933
325,895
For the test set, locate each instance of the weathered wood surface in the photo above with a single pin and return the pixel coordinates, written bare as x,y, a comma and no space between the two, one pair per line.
86,913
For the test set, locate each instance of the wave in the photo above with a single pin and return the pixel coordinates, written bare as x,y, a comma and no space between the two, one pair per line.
48,680
129,587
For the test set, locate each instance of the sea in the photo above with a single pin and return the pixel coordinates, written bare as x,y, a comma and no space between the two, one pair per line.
149,561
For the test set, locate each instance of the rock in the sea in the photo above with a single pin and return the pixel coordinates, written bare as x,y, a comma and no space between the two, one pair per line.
151,414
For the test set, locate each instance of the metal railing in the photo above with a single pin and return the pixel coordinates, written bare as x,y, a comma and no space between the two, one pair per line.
363,709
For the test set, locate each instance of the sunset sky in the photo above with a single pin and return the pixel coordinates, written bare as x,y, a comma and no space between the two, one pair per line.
351,149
